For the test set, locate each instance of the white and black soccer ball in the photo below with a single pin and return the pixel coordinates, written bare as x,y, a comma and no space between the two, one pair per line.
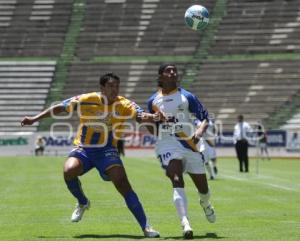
196,17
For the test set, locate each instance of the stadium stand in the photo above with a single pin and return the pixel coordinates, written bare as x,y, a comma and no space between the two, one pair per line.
253,88
259,27
293,123
33,28
122,35
265,84
32,34
23,90
130,29
137,28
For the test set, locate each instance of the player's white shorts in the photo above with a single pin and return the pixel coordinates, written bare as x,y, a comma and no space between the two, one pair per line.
167,150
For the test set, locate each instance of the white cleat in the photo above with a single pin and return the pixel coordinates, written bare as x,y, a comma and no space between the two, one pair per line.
79,211
149,232
209,212
187,231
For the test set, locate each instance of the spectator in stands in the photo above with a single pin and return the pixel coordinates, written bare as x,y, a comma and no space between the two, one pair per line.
262,142
177,139
39,146
240,138
102,115
294,142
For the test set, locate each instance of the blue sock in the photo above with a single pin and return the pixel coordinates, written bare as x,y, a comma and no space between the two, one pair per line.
74,187
136,208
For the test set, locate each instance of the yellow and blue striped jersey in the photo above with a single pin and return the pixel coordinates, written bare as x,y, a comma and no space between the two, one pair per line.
100,124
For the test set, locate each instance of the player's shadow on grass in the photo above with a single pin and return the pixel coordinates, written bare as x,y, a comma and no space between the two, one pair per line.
206,236
126,236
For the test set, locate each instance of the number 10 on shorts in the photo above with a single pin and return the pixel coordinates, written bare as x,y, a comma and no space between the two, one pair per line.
164,158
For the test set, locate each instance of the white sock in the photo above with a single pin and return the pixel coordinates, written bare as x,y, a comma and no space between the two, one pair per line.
210,169
180,203
204,198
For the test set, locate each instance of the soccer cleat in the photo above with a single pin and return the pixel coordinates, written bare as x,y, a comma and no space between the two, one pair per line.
216,170
149,232
187,231
79,210
209,212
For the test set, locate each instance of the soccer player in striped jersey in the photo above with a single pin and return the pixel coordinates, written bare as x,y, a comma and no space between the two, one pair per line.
176,143
102,115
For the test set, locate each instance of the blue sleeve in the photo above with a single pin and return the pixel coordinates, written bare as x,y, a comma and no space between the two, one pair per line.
195,106
138,109
66,102
150,102
71,104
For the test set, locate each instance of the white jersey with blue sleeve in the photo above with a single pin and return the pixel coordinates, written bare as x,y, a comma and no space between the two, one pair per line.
182,109
174,137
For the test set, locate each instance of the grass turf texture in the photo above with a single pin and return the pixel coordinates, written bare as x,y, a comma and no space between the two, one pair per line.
35,204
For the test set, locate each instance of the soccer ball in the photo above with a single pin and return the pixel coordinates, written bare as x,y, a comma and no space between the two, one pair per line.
196,17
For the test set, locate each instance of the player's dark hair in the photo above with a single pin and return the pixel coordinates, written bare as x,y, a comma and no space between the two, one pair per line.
106,77
163,66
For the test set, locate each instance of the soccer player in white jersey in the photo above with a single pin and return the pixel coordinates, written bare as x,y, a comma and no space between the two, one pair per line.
176,142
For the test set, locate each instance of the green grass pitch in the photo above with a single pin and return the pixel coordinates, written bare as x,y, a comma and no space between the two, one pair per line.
36,206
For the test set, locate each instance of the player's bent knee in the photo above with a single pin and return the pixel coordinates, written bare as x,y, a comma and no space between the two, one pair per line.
72,168
177,180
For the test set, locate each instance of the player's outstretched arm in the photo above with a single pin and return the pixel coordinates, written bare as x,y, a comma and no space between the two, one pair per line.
150,120
145,117
55,109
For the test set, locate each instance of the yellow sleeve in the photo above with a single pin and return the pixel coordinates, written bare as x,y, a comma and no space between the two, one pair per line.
131,109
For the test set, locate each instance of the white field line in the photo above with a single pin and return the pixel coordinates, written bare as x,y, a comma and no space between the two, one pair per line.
247,179
232,176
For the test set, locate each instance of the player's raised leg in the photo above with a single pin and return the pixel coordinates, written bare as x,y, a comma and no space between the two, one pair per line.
200,182
72,169
119,178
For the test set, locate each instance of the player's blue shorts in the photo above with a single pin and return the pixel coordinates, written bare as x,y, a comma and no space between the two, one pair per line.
101,158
